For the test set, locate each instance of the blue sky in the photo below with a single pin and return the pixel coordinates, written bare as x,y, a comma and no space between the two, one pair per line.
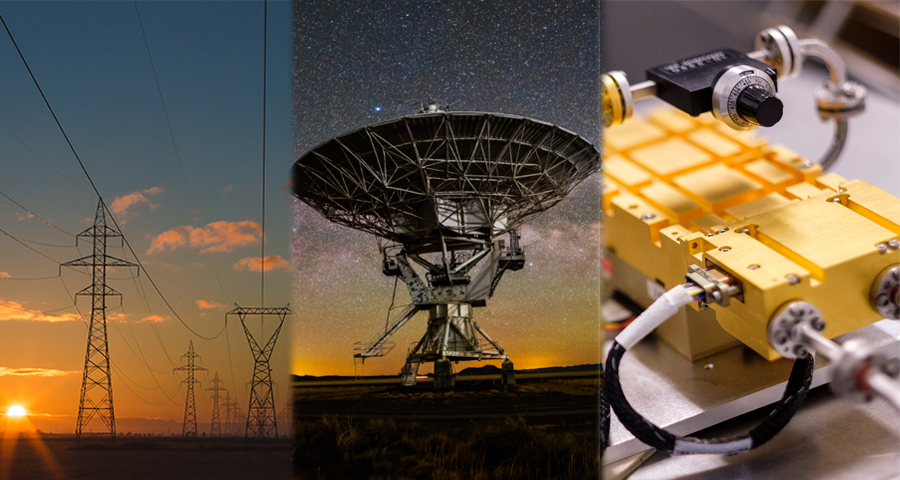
91,62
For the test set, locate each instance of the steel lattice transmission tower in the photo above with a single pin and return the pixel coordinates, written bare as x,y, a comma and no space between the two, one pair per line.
96,400
189,424
261,418
215,428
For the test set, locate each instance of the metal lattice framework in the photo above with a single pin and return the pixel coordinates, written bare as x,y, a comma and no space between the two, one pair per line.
96,401
215,426
261,419
189,424
403,178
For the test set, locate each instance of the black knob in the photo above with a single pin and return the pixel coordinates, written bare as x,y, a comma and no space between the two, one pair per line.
756,104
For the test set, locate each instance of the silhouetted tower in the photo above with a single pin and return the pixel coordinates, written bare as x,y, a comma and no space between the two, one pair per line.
96,402
215,429
287,417
189,425
226,430
261,419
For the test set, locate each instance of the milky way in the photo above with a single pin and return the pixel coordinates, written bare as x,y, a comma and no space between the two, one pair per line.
357,64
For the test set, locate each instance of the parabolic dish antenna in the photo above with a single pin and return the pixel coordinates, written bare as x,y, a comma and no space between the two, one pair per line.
441,186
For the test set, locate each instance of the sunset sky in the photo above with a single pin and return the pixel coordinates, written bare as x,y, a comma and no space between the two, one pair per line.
361,63
92,64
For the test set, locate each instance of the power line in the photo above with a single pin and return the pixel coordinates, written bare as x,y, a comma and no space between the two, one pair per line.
35,215
22,242
94,186
175,145
42,158
47,102
262,268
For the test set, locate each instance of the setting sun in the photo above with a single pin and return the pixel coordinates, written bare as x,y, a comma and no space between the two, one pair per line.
15,411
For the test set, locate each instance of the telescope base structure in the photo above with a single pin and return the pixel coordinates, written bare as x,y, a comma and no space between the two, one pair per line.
452,336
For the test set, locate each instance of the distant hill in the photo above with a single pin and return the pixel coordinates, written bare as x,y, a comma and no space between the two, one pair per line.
482,370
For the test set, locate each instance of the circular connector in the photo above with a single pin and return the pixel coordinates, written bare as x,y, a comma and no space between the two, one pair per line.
782,50
885,294
783,336
744,97
618,104
856,357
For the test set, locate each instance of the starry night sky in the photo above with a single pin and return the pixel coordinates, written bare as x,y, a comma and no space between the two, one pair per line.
358,64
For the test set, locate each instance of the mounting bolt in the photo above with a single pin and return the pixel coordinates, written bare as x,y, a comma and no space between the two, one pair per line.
717,296
818,324
704,305
648,216
792,279
894,244
780,337
835,200
744,230
710,234
806,164
800,350
842,190
882,247
722,230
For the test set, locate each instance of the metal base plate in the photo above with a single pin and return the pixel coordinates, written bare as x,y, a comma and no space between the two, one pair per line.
684,397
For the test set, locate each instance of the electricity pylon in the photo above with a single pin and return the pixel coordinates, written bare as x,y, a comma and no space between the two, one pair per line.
96,400
215,429
189,424
227,430
261,419
287,416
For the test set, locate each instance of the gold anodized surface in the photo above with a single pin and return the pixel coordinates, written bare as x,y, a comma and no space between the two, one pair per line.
781,227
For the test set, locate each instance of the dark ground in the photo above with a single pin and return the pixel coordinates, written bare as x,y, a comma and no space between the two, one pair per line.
55,457
544,428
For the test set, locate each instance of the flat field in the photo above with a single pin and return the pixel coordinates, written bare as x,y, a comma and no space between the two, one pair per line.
541,428
138,458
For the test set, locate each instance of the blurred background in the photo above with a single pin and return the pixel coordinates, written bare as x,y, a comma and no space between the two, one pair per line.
642,34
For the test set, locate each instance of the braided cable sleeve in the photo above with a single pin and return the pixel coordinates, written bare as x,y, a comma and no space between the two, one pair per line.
795,392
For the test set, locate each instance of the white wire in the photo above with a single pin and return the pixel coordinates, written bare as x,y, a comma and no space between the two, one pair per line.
660,311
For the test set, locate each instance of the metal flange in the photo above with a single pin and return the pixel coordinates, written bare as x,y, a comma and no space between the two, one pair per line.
783,334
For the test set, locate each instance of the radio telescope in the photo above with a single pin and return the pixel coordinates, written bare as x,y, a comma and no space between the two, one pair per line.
441,189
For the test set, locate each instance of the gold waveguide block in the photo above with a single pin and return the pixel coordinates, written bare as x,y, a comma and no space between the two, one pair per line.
782,228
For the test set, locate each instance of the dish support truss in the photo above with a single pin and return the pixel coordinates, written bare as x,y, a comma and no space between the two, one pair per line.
465,277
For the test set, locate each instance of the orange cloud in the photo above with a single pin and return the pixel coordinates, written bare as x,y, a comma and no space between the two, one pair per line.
218,236
121,205
5,275
34,372
255,264
24,216
12,311
153,318
204,305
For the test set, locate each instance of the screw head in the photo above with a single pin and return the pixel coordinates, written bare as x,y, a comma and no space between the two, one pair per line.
806,164
722,230
744,230
753,267
818,324
882,247
835,200
710,234
717,296
780,337
704,305
800,350
792,279
648,216
724,249
894,244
